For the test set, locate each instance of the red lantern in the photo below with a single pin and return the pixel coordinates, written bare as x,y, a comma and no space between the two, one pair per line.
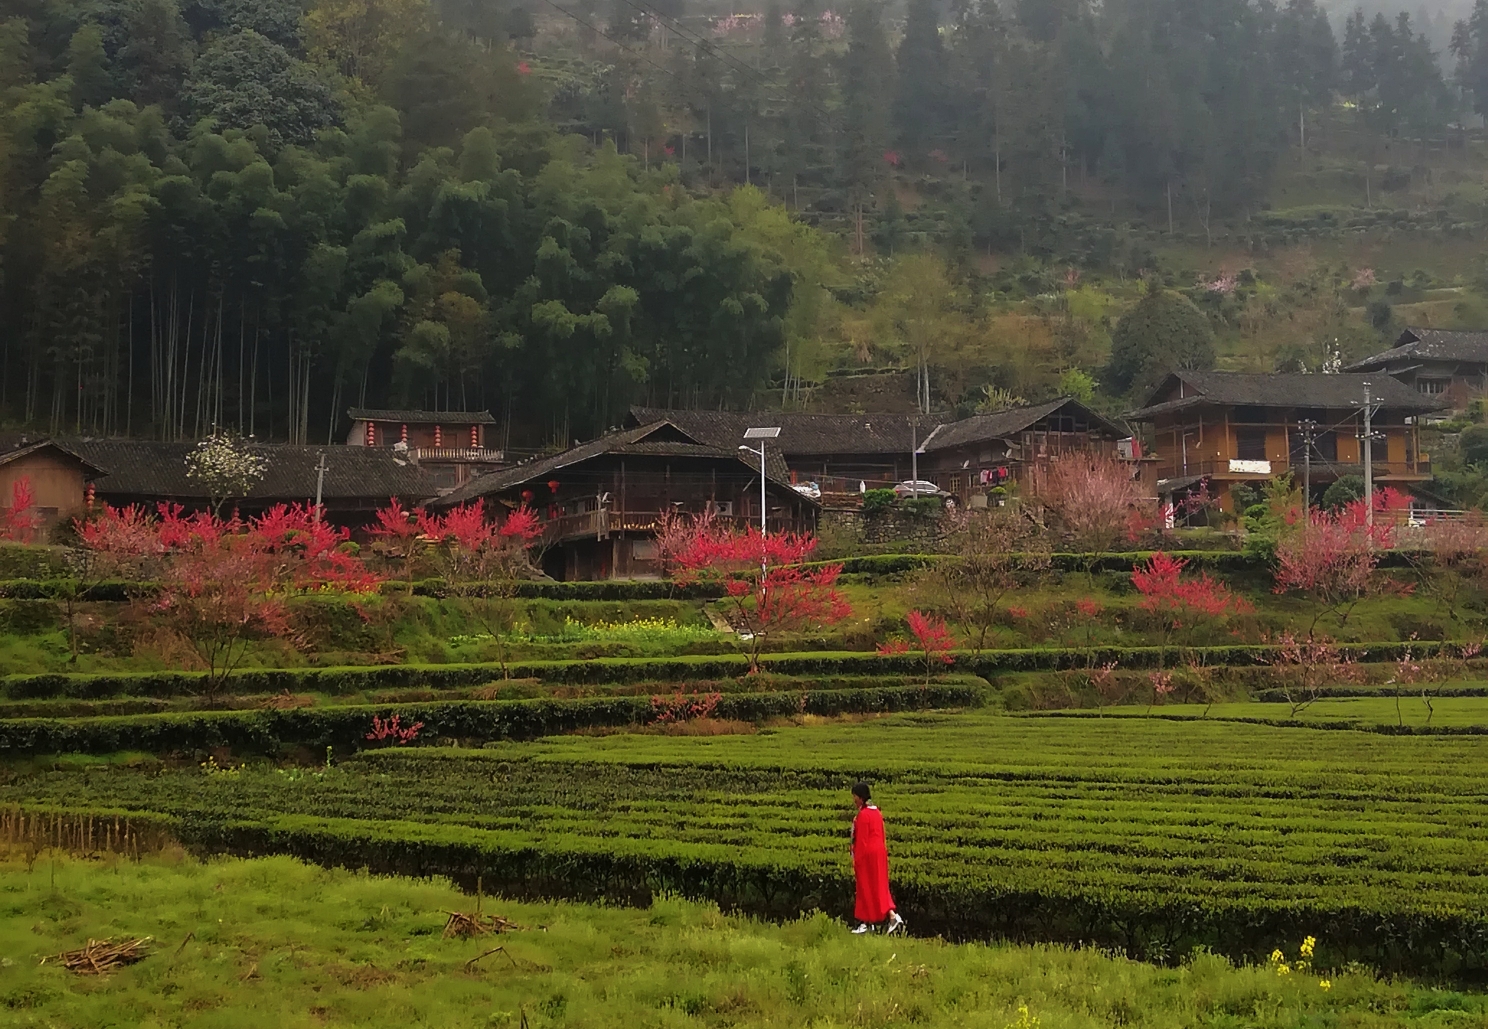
526,494
553,485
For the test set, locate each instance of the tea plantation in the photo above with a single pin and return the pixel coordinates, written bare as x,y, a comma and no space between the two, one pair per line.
1153,835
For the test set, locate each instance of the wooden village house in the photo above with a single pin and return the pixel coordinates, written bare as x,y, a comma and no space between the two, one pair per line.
1444,364
601,501
357,481
1230,428
449,447
968,458
58,476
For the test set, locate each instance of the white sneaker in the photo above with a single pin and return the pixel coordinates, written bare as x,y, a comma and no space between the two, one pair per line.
863,927
896,924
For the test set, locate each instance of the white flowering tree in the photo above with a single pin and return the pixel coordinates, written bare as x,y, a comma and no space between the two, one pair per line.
225,465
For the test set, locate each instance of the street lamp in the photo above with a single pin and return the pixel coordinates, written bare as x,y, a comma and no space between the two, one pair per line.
761,434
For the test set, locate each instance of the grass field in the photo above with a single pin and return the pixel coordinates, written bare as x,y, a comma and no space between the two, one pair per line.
273,942
1152,834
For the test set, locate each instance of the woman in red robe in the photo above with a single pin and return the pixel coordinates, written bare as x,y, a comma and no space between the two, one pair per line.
871,866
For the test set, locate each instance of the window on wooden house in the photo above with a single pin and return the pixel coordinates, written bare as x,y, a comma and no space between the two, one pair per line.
1250,444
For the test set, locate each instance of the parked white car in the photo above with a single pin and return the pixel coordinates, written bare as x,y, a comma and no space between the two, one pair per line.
919,488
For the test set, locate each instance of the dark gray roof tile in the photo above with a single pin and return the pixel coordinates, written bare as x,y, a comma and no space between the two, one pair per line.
143,468
1432,345
1008,424
660,438
800,434
1288,390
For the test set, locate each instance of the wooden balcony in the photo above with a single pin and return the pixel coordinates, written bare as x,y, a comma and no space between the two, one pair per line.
1321,470
459,455
608,521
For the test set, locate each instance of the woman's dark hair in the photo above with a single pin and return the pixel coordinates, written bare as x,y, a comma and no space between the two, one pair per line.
861,791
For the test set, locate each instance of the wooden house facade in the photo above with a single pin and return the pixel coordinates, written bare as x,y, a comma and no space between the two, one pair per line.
968,458
357,481
1450,366
1231,428
450,447
601,502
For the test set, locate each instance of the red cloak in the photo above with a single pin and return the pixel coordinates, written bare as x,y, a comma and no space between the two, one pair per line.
871,866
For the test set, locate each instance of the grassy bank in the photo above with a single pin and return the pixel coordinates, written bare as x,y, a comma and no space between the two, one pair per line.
273,942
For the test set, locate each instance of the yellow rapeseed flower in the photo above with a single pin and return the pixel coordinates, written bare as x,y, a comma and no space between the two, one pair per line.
1325,984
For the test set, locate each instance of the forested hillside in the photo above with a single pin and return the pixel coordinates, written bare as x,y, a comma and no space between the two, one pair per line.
254,213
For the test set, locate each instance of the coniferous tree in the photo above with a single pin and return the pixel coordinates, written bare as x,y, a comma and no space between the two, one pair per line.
1306,59
1357,62
919,102
867,77
808,132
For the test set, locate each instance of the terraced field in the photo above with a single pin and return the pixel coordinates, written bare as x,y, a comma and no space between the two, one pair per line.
1151,834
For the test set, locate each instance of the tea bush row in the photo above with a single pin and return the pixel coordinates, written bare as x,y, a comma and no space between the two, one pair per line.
356,679
345,727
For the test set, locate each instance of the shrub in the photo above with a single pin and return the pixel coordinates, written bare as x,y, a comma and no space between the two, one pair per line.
876,501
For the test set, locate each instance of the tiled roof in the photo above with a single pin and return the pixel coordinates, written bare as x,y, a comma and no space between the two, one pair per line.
376,414
802,435
811,435
143,468
658,438
1432,345
14,446
1009,423
1276,389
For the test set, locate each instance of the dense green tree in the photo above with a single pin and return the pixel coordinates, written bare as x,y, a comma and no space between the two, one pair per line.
243,79
1163,332
1472,444
278,20
255,213
87,67
156,51
1343,491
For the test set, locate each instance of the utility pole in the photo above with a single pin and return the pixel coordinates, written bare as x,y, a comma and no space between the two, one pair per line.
1307,426
914,456
320,470
1366,440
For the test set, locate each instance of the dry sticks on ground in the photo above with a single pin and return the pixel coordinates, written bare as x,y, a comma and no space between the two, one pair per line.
101,956
462,924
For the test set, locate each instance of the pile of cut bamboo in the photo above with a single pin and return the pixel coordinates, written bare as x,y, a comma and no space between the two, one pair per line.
462,924
101,956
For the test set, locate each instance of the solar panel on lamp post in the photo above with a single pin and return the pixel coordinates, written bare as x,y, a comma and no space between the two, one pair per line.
761,434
